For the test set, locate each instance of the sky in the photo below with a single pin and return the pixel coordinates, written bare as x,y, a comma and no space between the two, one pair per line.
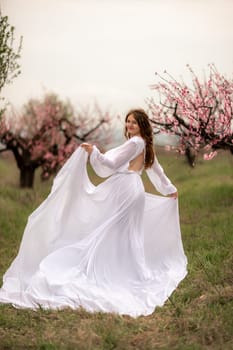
109,50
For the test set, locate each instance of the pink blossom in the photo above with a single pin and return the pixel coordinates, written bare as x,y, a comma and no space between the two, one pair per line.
210,156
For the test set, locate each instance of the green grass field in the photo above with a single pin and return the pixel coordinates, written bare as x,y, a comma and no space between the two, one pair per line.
198,315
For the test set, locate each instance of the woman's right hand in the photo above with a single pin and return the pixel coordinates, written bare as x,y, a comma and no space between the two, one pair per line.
88,147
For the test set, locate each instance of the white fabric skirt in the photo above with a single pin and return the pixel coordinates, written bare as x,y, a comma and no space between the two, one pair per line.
110,248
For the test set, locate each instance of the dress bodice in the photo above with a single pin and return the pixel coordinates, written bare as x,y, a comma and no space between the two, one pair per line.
118,159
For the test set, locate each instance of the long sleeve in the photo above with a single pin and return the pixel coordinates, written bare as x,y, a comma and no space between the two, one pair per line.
113,160
159,179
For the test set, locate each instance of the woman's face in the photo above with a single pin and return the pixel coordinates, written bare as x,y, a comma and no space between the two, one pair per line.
132,126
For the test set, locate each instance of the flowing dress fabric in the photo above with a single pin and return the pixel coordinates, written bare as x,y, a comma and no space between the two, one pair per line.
110,248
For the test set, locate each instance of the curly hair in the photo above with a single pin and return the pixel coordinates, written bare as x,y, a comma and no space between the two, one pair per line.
146,132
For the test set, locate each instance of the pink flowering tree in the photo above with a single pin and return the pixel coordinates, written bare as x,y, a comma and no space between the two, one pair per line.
46,133
201,116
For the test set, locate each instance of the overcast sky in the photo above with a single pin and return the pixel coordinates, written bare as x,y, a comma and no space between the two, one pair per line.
109,50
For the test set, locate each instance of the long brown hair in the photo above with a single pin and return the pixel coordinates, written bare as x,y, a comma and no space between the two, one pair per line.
146,132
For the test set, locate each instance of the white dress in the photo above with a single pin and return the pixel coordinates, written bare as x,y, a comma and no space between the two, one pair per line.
110,248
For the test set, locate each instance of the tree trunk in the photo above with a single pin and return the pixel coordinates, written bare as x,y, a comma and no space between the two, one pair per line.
27,175
191,156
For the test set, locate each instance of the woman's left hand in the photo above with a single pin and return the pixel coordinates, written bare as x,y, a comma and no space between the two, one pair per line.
173,195
88,147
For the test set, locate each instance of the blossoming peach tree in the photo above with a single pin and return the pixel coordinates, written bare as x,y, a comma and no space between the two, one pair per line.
201,116
45,134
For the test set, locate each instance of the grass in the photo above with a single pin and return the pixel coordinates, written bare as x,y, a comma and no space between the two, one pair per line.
197,316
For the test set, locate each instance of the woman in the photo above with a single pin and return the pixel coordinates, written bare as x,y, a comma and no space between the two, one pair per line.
111,247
